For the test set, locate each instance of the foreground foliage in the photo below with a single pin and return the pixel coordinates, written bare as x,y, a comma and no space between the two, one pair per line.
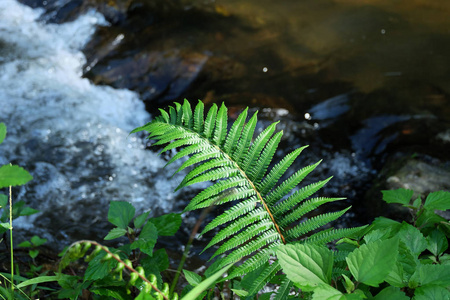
263,237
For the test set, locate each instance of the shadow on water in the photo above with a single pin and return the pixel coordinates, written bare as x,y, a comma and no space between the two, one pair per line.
359,81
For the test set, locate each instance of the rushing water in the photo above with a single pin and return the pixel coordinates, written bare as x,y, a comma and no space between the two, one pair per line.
357,80
70,134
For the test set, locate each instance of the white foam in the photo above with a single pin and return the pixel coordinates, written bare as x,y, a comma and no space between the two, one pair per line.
71,134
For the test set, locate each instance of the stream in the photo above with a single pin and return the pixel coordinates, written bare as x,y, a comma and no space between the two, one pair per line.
358,82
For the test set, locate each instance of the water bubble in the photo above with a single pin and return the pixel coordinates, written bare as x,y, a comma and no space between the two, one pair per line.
265,69
307,116
383,31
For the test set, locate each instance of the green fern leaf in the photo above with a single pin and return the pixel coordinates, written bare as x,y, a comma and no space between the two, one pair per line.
265,211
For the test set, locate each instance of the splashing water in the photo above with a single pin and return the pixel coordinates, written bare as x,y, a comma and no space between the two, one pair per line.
70,134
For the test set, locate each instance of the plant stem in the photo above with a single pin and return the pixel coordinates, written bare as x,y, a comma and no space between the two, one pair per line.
11,238
188,246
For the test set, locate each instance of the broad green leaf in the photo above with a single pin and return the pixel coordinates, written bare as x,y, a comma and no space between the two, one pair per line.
438,200
431,292
37,280
159,259
37,241
205,284
378,234
404,268
121,213
140,220
28,211
99,268
437,242
167,225
413,238
2,132
147,239
401,196
25,244
371,263
115,233
191,277
391,293
383,223
429,218
11,175
306,265
326,292
430,275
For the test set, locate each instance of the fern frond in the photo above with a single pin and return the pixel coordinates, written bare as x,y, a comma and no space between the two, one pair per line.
266,211
284,289
313,223
266,274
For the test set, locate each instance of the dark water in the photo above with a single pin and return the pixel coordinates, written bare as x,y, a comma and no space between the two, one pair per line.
356,80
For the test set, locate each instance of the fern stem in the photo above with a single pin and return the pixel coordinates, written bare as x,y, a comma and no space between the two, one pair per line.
11,238
257,193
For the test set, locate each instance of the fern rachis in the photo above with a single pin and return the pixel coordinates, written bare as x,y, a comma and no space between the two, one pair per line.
266,212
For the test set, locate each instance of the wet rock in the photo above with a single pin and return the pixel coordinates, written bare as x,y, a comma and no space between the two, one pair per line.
420,173
155,75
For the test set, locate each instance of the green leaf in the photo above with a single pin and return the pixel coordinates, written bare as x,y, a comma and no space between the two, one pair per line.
391,293
401,196
371,263
438,200
99,268
11,175
404,268
3,200
147,239
115,233
144,296
437,242
431,292
193,278
413,238
24,244
28,211
205,284
306,265
326,292
348,284
120,213
33,253
240,293
140,220
167,225
2,132
37,280
378,234
37,241
430,275
160,260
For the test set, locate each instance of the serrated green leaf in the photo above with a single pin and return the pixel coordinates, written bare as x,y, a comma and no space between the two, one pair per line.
307,266
431,292
168,224
437,242
140,220
160,260
2,132
191,277
115,233
413,238
147,239
12,175
391,293
437,200
431,275
326,292
371,263
121,213
401,196
99,268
